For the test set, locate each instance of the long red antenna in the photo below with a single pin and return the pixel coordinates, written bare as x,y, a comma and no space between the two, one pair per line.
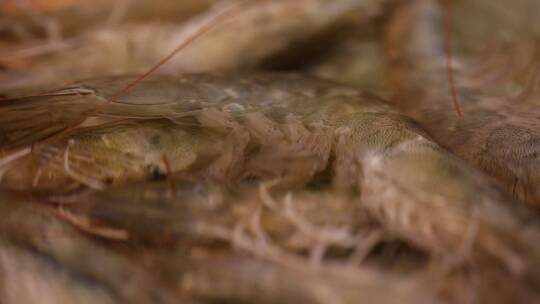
205,28
448,26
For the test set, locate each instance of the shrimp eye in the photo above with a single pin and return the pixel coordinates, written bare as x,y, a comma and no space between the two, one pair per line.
155,173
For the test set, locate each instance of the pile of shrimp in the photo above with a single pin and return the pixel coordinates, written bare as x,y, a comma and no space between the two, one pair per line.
269,151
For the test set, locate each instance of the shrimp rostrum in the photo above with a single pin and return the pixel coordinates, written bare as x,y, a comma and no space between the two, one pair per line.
282,127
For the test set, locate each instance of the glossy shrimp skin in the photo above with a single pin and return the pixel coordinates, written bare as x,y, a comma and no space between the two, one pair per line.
166,107
301,126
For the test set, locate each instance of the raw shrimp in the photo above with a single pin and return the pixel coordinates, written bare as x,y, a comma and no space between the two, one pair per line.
267,27
292,130
304,127
252,220
44,259
495,134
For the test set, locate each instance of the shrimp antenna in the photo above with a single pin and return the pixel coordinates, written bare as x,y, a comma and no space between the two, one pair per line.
448,27
223,15
218,18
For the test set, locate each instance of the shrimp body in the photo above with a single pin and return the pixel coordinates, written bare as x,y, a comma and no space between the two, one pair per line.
268,28
292,128
494,134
